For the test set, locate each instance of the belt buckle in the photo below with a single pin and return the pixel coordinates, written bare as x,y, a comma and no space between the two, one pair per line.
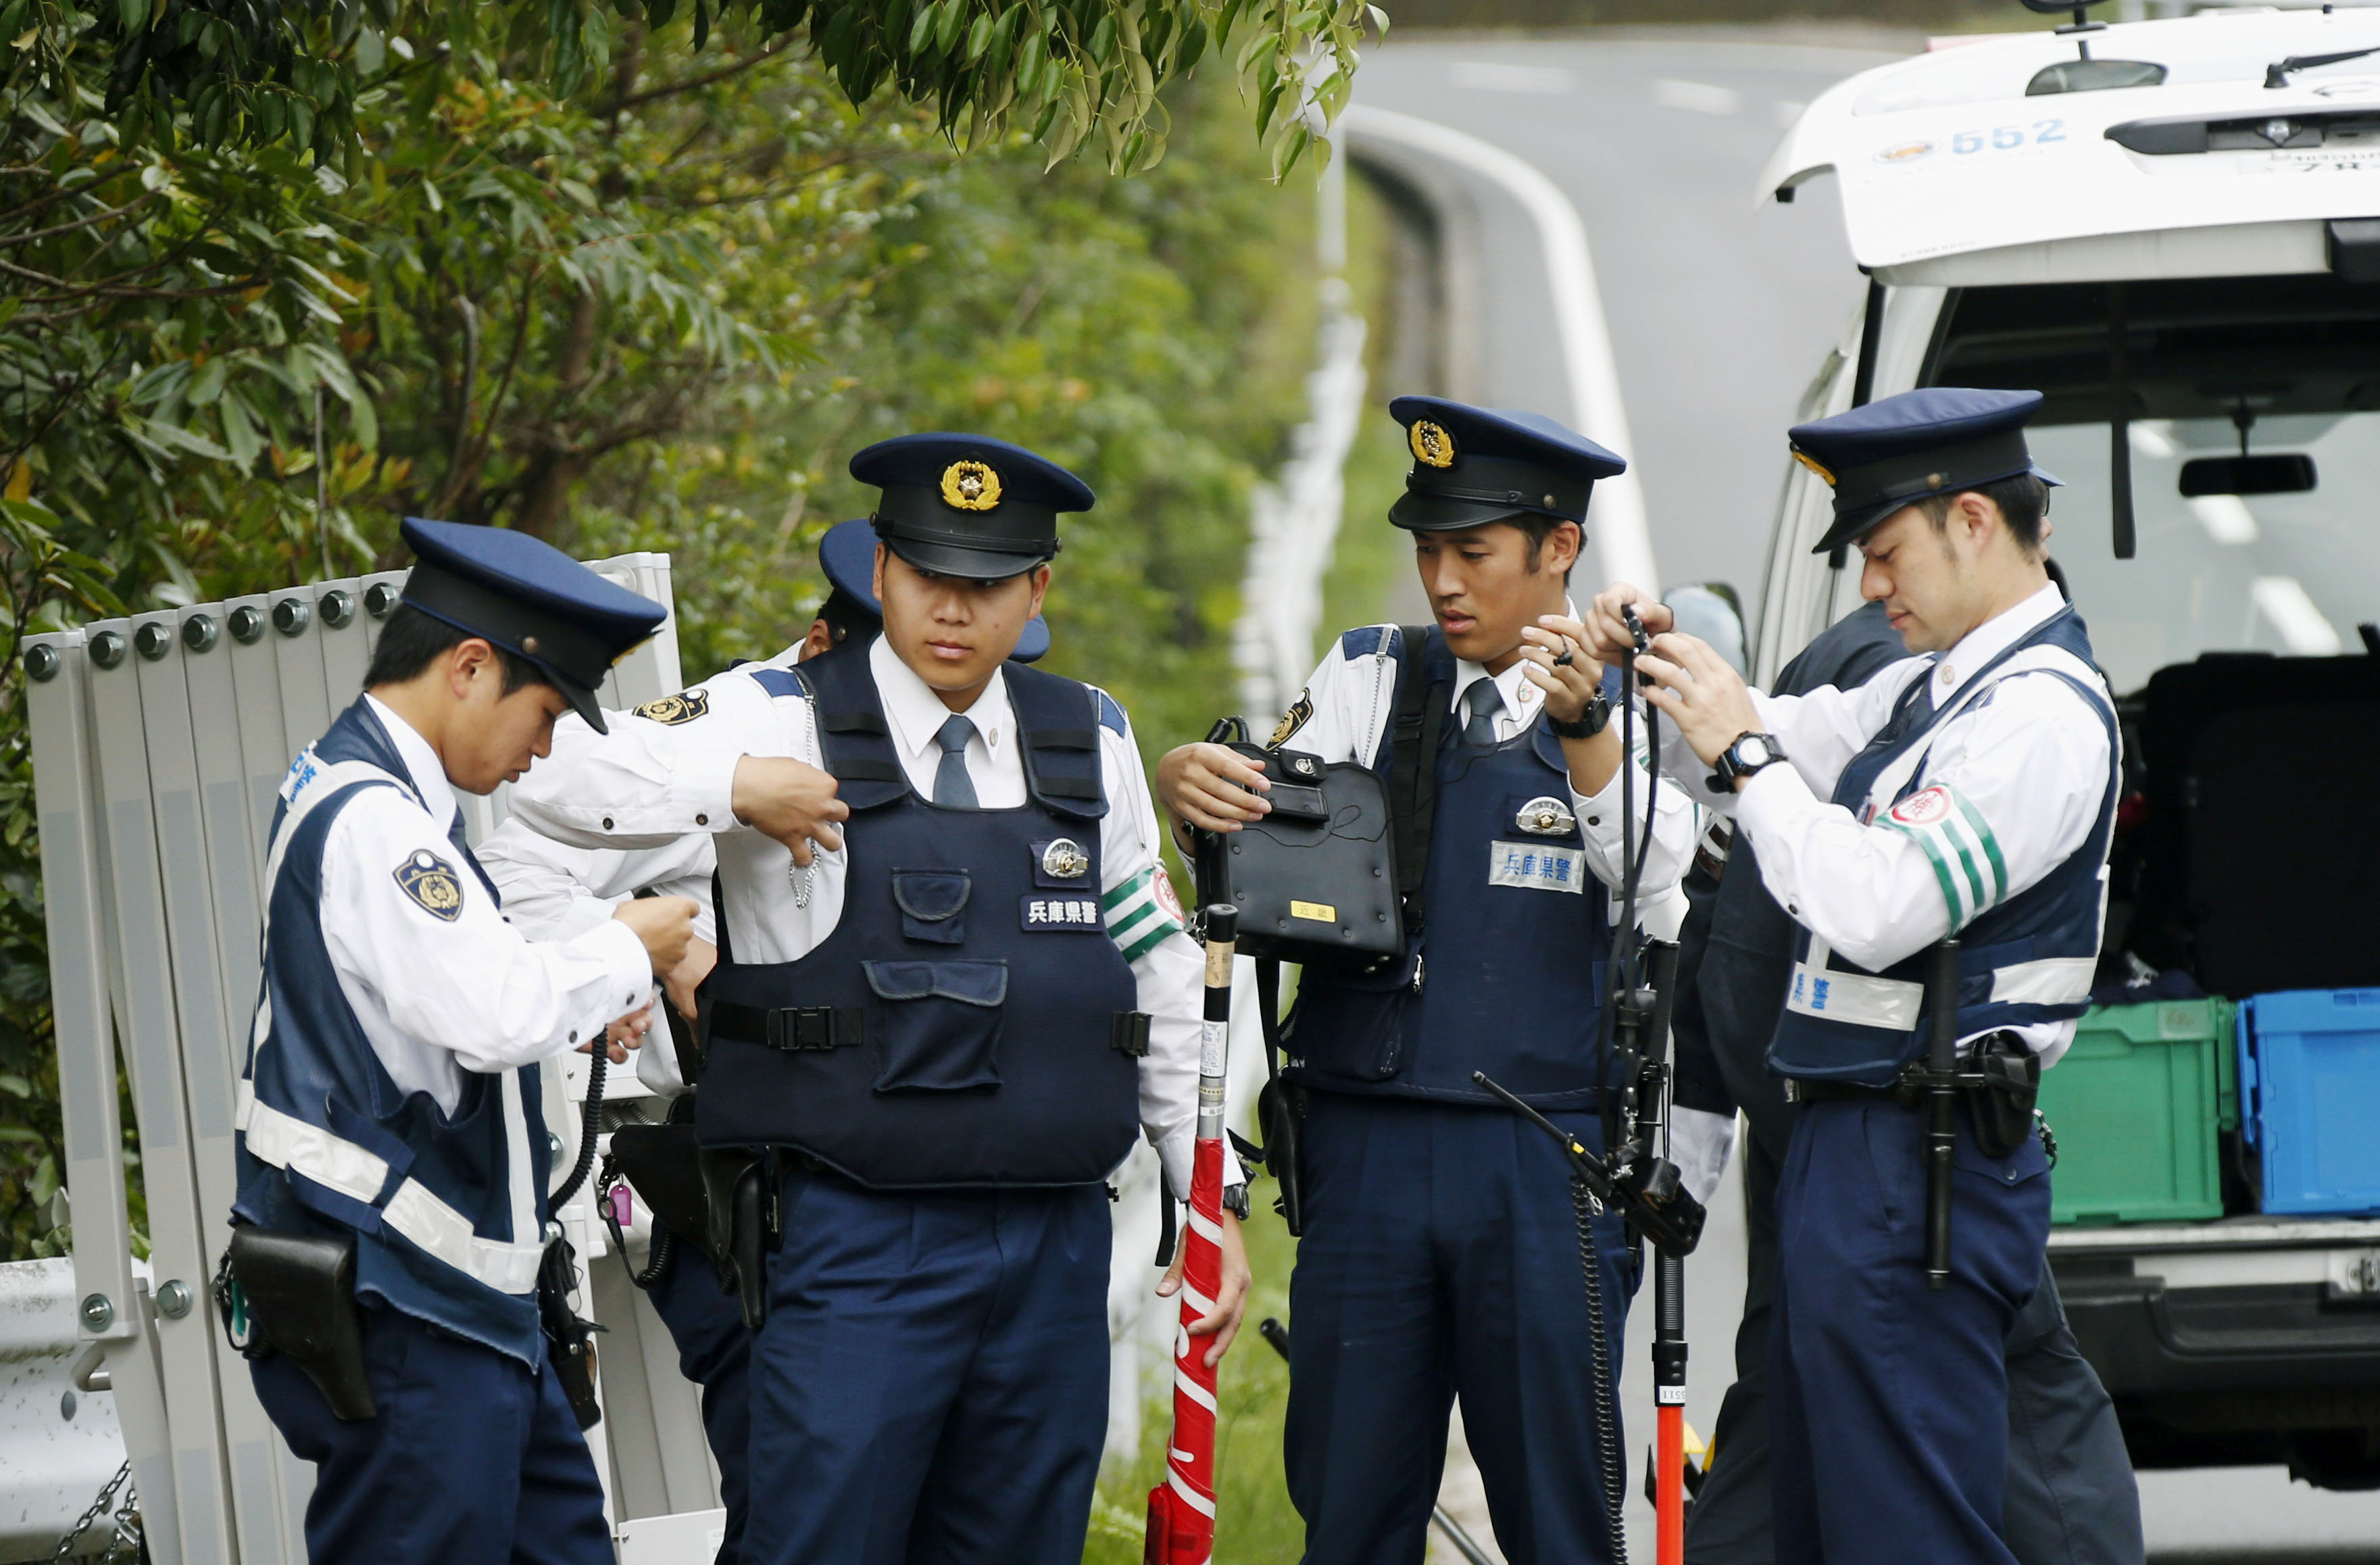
801,1029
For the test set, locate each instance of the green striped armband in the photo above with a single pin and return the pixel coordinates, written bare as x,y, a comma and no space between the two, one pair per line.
1959,844
1140,913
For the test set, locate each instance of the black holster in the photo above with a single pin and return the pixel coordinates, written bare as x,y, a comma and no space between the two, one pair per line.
569,1342
744,1222
299,1294
663,1165
2008,1085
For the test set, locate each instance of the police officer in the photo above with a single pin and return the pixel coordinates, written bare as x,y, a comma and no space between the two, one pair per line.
946,1016
391,1099
1439,1257
555,891
2071,1497
1966,792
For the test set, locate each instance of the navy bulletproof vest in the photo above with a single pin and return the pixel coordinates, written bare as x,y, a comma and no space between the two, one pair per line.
2024,960
1505,975
969,1021
328,1142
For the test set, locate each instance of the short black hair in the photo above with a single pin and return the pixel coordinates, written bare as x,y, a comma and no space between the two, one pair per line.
2023,500
1536,527
412,641
847,616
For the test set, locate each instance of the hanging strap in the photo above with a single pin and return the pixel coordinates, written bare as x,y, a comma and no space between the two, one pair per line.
1412,768
1269,1014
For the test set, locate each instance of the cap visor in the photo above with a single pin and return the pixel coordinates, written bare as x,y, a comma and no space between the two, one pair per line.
1415,512
951,559
582,701
1850,527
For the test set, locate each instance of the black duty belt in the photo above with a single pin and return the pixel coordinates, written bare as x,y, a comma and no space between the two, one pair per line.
791,1030
1800,1091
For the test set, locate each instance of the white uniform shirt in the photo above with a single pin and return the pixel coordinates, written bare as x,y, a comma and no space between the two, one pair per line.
438,996
651,785
1346,708
2029,761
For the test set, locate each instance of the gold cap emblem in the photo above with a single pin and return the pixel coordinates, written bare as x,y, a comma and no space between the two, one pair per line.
970,486
1805,458
1432,447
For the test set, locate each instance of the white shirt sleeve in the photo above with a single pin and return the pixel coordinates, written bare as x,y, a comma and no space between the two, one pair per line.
2011,787
417,942
1676,823
553,890
1819,732
1143,917
646,784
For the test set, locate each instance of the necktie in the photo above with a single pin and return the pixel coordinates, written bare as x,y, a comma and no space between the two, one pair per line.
954,789
1482,700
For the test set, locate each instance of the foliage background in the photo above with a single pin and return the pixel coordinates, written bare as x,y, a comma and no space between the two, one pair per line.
658,311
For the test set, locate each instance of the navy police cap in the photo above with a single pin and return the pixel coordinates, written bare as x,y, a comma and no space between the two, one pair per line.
530,599
968,505
1477,464
1898,450
847,555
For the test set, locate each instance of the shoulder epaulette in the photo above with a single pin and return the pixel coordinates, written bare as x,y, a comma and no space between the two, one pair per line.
1112,715
1369,640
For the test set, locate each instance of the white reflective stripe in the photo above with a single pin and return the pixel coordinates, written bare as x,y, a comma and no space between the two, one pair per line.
1191,1497
329,1160
1198,1301
1207,1228
2052,980
446,1233
1855,997
312,787
1194,1390
520,1176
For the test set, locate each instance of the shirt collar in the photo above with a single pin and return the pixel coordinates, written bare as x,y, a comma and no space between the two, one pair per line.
916,713
1992,638
422,767
1522,699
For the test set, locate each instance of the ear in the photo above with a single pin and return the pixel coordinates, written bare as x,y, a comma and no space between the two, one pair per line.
1978,517
878,579
466,660
820,639
1041,576
1560,551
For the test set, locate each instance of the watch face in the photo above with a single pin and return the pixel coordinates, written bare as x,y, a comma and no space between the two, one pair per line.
1752,750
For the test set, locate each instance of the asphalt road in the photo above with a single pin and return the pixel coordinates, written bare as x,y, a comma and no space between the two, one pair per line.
1719,312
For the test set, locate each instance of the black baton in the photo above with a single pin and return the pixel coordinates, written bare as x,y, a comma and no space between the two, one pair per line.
1941,1111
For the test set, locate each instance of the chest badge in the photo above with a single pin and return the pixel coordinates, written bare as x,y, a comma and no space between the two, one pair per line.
1546,816
430,881
1065,860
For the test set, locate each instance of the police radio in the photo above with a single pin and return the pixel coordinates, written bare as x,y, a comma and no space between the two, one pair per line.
1314,880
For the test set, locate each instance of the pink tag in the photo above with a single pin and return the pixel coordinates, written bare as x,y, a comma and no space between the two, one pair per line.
624,1204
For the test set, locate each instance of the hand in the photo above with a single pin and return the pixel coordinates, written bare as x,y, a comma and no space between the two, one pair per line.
1568,686
1230,1296
681,982
1608,633
1208,785
622,1035
1700,692
664,924
789,800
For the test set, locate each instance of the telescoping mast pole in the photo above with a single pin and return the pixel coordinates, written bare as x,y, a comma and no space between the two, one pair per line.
1182,1508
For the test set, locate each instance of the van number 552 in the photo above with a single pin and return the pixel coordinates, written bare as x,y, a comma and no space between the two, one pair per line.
2001,138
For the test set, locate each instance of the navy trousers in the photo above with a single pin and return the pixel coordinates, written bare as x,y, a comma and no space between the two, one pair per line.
1888,1414
930,1387
1440,1260
714,1351
471,1459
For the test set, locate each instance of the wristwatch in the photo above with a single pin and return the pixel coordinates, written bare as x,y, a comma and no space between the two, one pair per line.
1235,1200
1590,723
1747,755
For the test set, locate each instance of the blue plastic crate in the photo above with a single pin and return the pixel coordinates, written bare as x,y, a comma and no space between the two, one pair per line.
2309,1097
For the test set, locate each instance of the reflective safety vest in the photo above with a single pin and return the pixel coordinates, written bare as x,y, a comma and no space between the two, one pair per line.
1505,973
2028,958
448,1211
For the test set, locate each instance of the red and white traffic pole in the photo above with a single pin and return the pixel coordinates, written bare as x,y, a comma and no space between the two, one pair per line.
1182,1508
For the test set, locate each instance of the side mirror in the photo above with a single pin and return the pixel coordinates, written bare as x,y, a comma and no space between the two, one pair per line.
2286,473
1711,612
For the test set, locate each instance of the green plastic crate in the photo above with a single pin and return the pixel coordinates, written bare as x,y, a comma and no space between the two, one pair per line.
2136,1105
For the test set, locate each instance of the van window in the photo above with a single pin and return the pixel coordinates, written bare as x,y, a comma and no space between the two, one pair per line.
2296,360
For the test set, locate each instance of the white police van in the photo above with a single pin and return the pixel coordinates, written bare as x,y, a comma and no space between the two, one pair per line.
2172,228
